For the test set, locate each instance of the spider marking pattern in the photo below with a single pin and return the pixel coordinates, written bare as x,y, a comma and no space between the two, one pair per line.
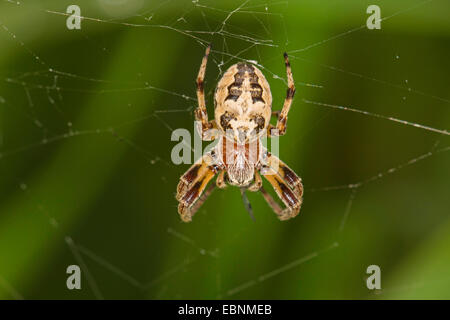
243,109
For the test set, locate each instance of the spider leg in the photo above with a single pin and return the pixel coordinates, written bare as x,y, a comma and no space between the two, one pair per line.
282,116
201,199
201,113
257,184
287,185
220,181
271,202
192,185
276,114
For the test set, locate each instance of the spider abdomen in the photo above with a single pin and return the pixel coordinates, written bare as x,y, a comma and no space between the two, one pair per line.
243,102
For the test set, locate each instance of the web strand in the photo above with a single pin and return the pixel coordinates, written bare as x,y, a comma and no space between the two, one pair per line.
370,114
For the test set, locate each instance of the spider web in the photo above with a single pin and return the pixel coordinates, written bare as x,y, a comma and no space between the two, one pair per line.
43,93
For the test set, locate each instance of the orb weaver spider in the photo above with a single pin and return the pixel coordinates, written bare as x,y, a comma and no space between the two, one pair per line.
243,109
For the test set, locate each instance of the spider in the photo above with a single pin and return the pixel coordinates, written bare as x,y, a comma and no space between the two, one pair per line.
243,109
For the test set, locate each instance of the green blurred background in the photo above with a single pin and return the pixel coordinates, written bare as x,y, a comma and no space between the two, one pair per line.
85,171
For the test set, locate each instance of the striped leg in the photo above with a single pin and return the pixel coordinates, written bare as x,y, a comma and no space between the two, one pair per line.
201,114
282,116
287,185
192,184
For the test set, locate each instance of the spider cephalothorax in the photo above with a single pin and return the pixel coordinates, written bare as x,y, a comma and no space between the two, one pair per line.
243,108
